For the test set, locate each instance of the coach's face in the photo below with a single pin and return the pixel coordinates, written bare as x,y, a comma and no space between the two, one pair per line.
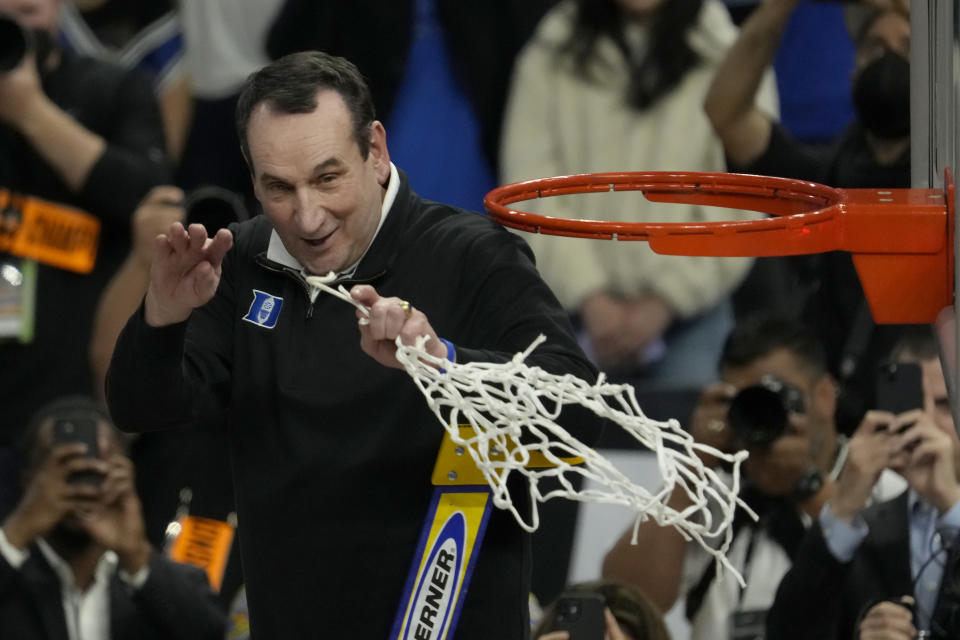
321,195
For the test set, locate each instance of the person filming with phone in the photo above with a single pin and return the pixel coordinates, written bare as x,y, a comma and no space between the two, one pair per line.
775,399
887,570
601,610
74,560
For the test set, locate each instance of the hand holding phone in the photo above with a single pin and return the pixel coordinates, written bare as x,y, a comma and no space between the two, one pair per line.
581,615
899,387
66,481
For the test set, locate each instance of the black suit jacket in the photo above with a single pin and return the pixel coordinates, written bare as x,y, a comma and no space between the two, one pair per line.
821,598
175,602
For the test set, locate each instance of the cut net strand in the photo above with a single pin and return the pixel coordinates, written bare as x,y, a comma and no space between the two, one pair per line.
512,409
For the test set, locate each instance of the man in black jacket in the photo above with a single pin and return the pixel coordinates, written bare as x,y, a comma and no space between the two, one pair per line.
332,450
74,561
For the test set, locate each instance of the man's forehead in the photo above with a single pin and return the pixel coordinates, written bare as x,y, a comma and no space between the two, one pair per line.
328,105
322,135
780,362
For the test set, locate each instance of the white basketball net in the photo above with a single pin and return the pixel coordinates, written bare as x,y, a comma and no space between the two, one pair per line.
513,409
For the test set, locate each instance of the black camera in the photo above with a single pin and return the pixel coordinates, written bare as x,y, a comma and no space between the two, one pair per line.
14,43
759,414
214,207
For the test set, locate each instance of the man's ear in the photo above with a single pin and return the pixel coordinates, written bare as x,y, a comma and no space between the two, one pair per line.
379,153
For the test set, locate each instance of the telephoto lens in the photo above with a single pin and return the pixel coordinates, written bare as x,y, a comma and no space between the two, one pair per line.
214,207
14,43
759,414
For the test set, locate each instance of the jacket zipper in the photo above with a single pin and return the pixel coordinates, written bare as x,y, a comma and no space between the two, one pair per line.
284,270
296,276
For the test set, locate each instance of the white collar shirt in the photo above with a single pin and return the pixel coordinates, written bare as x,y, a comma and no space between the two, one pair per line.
87,611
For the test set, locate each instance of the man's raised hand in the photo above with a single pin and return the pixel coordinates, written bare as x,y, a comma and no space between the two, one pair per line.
185,272
388,319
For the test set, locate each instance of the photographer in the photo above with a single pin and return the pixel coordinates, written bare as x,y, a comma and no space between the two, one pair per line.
776,399
77,132
74,560
886,570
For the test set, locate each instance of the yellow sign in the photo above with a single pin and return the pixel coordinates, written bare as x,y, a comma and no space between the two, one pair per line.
447,551
455,467
450,541
48,232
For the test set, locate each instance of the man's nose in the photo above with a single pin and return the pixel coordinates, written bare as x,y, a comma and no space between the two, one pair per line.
310,213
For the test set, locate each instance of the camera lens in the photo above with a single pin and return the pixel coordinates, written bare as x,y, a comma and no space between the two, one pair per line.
568,611
214,207
13,44
759,414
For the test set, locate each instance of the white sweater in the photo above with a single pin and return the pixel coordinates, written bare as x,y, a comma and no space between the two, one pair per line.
557,123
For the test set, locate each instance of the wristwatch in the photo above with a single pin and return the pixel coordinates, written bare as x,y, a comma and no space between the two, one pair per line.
808,484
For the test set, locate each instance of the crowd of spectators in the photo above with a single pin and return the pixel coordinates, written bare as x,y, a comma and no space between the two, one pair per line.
119,116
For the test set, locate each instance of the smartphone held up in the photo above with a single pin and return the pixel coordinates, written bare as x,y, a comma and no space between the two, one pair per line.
83,430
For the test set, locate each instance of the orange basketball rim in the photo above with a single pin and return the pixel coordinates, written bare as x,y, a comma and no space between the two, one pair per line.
900,239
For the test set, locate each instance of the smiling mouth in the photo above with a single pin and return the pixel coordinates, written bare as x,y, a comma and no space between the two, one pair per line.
318,243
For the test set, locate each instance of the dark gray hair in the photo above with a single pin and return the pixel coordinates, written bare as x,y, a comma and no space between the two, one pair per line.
290,85
917,342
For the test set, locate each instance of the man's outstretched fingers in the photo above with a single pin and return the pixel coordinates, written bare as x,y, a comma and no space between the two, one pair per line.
365,294
178,238
197,241
216,247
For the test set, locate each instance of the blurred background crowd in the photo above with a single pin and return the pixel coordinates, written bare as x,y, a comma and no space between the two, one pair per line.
121,112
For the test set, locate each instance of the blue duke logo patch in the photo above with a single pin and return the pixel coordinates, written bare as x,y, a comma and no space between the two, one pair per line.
264,310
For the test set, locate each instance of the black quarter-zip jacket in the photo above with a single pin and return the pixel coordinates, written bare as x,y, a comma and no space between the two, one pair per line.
332,452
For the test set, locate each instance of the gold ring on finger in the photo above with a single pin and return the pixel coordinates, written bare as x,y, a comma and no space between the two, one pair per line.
407,308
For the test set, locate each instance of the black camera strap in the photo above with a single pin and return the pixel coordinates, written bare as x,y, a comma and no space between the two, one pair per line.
698,594
857,340
778,518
